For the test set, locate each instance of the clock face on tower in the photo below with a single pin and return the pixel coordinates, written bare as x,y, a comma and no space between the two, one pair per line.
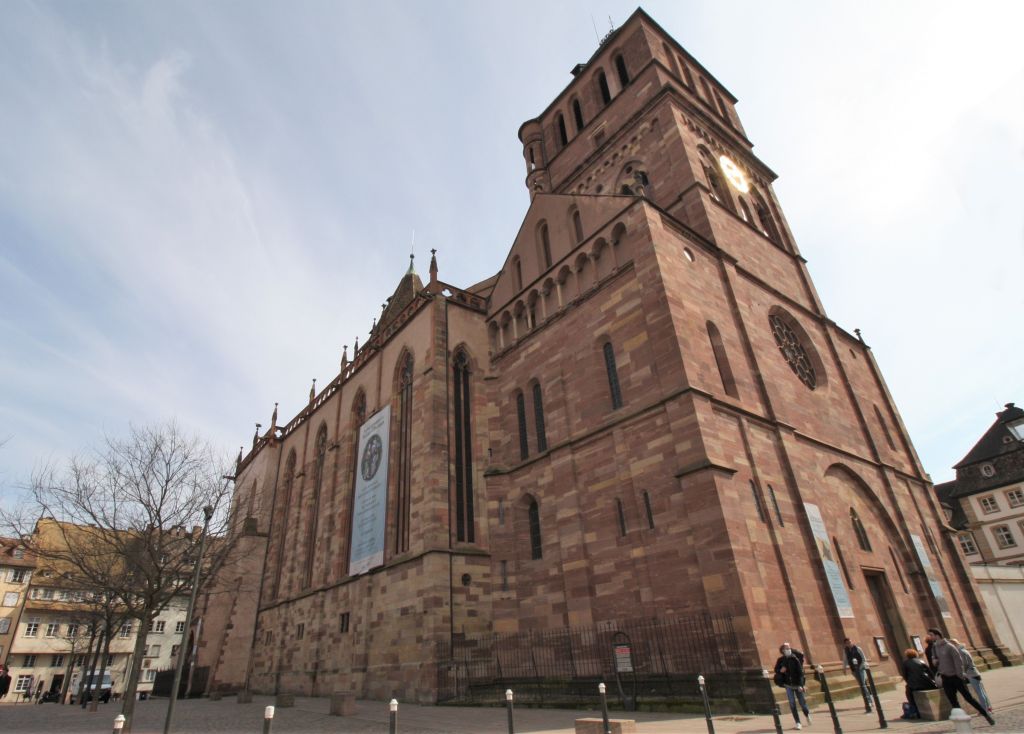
733,174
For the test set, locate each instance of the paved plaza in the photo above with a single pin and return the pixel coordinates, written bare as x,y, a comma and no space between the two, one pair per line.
1005,687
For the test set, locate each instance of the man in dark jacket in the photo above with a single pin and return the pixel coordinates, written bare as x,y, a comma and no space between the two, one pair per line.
854,659
954,680
789,673
918,676
5,681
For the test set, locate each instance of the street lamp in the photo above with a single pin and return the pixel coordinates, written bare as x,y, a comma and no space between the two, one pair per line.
183,650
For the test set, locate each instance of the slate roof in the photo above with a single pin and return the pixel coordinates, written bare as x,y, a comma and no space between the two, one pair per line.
992,443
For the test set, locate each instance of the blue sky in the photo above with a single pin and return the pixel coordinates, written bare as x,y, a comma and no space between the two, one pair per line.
201,202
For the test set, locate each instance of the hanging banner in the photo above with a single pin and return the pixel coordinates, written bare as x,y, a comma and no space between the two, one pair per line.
828,561
929,573
369,506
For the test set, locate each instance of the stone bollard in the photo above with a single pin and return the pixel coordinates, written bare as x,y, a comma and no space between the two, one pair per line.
284,700
343,704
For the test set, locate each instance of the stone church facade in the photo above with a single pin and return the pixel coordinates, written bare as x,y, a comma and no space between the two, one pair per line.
645,413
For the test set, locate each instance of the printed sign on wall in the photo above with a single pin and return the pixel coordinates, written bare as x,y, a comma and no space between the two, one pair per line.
369,507
828,561
929,573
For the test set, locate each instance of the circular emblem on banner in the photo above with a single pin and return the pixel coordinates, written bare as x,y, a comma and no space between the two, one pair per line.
371,457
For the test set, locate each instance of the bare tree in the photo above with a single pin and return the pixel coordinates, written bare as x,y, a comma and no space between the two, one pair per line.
125,523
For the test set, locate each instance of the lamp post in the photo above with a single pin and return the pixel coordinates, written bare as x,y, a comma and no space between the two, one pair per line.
771,700
508,702
183,650
268,719
604,709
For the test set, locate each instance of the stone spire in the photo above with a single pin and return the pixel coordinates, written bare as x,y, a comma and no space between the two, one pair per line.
312,391
433,287
344,357
256,435
273,419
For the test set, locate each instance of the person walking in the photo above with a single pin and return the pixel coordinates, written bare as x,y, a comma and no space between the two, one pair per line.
973,675
5,681
789,674
918,677
954,680
854,659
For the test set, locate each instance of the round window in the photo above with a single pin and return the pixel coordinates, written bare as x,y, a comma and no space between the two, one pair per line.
987,470
793,351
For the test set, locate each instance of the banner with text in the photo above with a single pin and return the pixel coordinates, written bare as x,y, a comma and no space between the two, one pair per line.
929,572
369,507
828,561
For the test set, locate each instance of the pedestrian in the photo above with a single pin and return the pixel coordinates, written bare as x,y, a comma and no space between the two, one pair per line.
918,677
929,653
789,674
5,681
854,659
954,680
973,675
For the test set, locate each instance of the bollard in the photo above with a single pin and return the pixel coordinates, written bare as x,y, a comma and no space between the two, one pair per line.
119,722
707,704
882,723
961,721
828,699
508,701
771,700
604,709
393,716
268,717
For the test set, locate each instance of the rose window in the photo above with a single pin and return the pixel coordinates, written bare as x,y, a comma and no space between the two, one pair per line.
793,351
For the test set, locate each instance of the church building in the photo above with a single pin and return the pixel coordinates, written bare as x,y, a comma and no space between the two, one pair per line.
645,414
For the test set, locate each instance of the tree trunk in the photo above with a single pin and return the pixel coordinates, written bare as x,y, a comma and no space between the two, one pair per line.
128,708
97,686
90,673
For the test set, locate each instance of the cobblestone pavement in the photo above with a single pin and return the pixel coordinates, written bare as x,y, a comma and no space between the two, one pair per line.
309,716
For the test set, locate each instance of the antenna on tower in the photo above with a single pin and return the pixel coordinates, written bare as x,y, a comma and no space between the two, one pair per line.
611,25
597,36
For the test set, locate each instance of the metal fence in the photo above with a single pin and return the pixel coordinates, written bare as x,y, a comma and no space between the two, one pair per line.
563,664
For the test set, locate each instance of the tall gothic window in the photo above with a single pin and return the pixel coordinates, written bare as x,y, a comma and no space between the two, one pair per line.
538,414
859,531
563,137
288,481
620,67
722,360
404,481
524,444
358,418
602,87
622,517
577,113
314,516
545,245
577,225
613,376
464,522
536,546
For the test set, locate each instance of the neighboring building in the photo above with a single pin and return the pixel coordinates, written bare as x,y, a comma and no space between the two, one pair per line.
986,500
646,413
16,568
51,643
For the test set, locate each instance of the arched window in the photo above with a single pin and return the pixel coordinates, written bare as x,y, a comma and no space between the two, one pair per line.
545,245
650,512
859,531
687,75
577,113
358,418
757,503
536,543
524,444
715,183
562,135
842,563
671,58
708,96
404,480
577,225
517,272
722,360
613,375
775,504
464,521
622,517
745,211
722,108
538,414
314,516
287,483
885,427
620,67
765,219
602,88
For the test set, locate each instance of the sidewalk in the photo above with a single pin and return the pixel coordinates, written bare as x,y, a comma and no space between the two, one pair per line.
1005,687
